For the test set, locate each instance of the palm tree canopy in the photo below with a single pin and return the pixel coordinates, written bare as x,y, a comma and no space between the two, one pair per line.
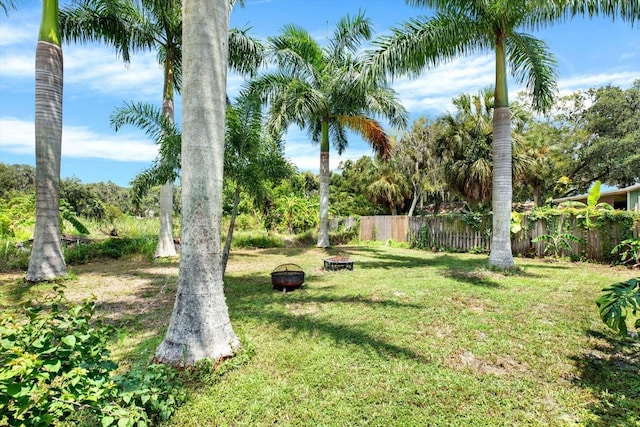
462,28
317,84
135,25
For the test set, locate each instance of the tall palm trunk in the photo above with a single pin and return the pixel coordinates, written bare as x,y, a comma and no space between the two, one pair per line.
200,326
323,233
47,261
502,186
166,247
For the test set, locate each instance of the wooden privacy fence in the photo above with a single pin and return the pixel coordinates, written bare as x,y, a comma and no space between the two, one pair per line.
454,233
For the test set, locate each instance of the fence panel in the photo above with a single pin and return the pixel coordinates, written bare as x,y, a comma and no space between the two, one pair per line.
452,233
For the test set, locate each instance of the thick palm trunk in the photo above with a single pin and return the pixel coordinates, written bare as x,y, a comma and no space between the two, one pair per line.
500,255
46,260
166,246
200,326
502,185
323,232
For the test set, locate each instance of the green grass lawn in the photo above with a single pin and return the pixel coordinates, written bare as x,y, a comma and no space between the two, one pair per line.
408,338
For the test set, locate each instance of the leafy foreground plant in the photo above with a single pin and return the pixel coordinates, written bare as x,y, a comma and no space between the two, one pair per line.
617,302
54,366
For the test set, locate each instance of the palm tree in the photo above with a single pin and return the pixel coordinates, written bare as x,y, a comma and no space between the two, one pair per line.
461,27
164,132
153,24
46,260
465,146
200,326
324,91
390,186
253,160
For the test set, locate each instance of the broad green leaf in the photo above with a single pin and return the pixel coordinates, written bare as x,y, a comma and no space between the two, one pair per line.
107,421
52,366
69,340
7,343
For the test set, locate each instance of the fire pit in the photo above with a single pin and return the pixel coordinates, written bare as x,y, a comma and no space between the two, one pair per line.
338,263
287,277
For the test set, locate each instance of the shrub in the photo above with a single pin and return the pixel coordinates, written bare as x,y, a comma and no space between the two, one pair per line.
55,366
257,240
628,252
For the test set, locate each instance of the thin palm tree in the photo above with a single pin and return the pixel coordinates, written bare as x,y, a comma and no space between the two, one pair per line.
462,27
253,159
325,91
47,260
200,326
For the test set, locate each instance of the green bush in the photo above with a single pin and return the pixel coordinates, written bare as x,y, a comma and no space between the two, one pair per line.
260,240
55,366
115,247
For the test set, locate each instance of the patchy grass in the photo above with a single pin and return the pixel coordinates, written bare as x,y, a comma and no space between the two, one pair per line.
406,338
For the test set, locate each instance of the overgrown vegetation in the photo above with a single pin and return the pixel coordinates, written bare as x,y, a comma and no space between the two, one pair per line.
55,367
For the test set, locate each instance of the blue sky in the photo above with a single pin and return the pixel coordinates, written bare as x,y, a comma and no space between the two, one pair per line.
590,53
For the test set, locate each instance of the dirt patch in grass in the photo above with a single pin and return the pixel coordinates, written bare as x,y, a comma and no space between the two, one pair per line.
500,365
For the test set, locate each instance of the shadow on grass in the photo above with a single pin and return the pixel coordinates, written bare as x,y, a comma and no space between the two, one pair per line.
610,368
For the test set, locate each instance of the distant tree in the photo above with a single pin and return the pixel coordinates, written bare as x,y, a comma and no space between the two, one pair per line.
325,91
21,178
416,154
610,151
47,261
81,199
390,186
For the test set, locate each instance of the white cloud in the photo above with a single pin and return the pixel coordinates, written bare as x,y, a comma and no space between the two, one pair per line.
434,89
580,82
18,137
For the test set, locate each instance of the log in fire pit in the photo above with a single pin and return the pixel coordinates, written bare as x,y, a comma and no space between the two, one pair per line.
287,277
338,263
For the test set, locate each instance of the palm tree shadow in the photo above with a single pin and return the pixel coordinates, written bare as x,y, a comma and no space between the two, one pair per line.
611,369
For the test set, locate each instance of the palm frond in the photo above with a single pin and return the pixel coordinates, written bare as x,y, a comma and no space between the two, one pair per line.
349,35
424,42
246,54
533,63
617,302
296,52
371,131
114,22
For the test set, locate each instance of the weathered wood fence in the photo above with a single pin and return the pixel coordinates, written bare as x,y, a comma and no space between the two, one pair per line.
453,233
